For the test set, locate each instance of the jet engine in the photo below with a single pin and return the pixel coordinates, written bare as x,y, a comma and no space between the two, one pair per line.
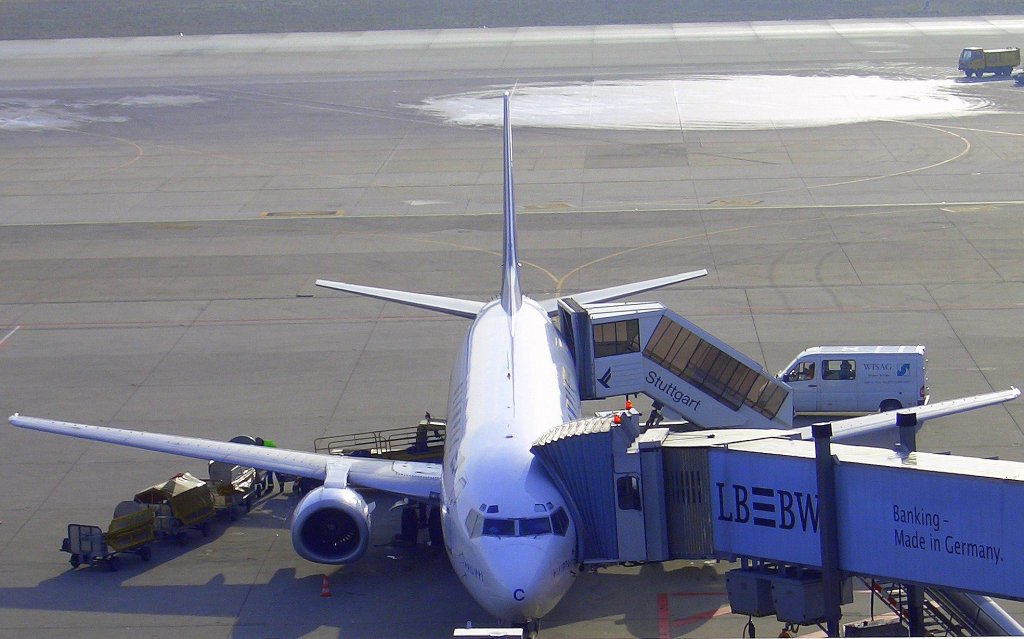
331,526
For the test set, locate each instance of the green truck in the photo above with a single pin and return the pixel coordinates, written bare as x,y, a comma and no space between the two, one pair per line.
978,61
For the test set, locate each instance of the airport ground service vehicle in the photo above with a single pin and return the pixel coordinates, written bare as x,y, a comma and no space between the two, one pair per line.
180,503
131,530
857,379
977,61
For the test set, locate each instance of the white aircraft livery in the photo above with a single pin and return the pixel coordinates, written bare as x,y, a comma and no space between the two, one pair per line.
507,529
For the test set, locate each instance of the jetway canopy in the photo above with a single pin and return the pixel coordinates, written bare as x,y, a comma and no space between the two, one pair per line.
642,347
938,520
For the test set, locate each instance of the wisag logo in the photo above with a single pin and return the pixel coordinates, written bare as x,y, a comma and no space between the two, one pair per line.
903,370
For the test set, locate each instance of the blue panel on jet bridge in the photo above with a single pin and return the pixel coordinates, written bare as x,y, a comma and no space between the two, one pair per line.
578,456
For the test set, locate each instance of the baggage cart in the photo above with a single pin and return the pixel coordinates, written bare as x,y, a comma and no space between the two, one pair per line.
233,488
179,504
131,530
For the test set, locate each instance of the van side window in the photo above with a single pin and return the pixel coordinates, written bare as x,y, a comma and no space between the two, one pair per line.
802,372
839,369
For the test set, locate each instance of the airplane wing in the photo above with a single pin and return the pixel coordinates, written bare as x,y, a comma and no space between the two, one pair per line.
450,305
847,428
611,293
419,480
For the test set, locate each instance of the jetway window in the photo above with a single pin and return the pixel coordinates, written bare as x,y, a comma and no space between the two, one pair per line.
617,338
712,370
628,488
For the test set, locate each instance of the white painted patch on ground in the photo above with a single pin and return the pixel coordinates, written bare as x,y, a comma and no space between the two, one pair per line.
709,102
38,114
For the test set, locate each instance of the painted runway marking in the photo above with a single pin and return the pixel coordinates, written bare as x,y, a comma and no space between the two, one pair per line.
666,623
8,336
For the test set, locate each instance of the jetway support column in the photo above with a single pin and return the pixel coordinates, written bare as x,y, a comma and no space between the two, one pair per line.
907,423
829,529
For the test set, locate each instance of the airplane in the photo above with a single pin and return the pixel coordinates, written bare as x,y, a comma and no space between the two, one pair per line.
508,531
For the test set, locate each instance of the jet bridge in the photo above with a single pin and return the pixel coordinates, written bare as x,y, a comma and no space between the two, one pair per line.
752,495
642,347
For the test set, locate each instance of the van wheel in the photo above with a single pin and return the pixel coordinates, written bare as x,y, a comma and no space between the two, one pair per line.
888,405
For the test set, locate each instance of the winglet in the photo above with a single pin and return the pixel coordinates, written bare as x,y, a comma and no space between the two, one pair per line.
511,294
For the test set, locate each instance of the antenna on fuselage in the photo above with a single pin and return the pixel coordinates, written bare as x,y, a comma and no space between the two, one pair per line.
511,294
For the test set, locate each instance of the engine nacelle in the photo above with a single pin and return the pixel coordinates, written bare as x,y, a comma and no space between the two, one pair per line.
331,526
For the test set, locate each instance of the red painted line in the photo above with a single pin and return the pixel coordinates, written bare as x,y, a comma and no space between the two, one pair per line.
663,623
702,616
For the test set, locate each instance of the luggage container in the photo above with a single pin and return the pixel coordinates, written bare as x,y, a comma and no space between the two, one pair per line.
180,503
233,488
131,530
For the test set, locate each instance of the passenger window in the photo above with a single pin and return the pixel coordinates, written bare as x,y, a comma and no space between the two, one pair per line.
560,522
534,526
499,527
839,369
628,488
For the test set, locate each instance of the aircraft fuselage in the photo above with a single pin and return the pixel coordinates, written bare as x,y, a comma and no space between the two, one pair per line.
507,529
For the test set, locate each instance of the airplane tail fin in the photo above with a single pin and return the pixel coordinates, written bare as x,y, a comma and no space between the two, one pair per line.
511,293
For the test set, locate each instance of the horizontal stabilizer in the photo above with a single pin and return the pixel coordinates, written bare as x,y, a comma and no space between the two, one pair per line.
847,428
623,290
450,305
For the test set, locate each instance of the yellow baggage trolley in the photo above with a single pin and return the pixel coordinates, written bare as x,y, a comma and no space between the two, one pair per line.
180,503
131,530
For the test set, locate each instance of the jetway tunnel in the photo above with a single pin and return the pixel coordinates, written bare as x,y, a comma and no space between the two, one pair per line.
752,495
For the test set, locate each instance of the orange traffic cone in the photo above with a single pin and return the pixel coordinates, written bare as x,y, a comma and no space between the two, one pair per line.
325,588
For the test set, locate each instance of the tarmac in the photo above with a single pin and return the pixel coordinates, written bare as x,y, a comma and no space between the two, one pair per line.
167,203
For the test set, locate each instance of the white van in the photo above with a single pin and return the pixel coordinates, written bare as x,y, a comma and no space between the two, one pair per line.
857,379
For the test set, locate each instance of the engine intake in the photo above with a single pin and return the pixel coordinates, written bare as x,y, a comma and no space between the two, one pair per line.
331,526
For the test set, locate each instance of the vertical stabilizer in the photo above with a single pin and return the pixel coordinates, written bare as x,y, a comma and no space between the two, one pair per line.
511,294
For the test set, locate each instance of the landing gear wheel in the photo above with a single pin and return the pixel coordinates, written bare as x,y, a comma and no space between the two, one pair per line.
531,628
434,528
410,525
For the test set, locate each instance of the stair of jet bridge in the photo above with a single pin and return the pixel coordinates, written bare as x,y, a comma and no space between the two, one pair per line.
642,347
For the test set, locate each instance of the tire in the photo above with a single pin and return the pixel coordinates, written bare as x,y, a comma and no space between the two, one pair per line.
113,563
434,528
145,553
888,405
182,538
75,561
410,525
